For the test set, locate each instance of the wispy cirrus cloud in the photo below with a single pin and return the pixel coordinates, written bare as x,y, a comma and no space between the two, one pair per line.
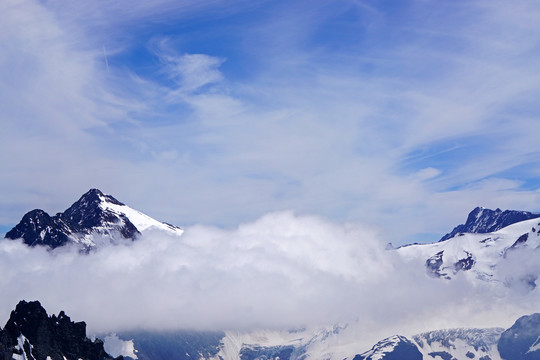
189,72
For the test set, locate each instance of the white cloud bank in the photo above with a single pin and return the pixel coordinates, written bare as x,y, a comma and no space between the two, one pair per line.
281,271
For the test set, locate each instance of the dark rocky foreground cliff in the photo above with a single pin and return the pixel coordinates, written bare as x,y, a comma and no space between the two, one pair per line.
31,334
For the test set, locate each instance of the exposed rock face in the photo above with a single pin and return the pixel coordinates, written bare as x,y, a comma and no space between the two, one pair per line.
522,340
435,265
31,334
87,214
84,217
482,220
38,228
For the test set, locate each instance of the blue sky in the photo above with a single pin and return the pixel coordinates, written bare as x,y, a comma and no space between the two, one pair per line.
402,115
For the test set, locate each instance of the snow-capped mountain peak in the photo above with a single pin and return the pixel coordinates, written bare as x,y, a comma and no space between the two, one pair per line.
94,216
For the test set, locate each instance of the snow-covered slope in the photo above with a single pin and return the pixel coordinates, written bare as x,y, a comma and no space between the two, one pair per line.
477,255
141,221
95,218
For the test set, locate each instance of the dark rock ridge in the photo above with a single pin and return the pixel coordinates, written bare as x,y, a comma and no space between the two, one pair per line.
482,220
31,334
522,340
83,217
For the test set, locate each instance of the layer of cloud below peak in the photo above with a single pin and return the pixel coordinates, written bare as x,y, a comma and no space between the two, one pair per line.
281,271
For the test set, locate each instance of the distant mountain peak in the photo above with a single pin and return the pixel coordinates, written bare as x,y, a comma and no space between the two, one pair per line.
89,203
482,220
95,213
89,212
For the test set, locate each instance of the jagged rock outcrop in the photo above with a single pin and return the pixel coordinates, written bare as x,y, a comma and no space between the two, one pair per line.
31,334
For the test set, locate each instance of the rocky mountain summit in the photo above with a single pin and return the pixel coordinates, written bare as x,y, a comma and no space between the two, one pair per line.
95,216
30,334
